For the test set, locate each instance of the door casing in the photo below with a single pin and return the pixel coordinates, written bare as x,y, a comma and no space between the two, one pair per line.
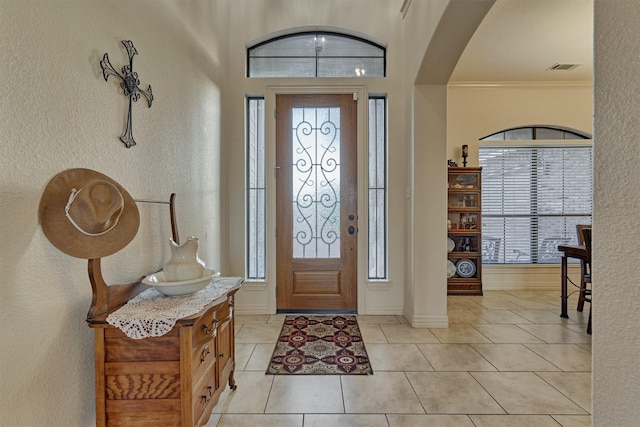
360,94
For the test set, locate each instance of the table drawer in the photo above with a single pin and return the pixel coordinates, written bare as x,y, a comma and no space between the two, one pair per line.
223,312
202,357
204,328
204,394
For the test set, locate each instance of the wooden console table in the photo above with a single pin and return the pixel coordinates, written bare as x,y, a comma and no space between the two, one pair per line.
171,380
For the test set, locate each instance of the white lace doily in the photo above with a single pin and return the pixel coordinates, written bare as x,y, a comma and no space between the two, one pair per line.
151,314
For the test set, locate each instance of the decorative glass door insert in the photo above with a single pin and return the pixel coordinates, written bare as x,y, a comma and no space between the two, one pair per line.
316,182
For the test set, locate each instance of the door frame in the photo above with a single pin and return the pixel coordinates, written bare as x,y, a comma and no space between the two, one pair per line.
362,147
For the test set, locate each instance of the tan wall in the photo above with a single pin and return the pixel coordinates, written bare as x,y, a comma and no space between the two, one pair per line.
474,112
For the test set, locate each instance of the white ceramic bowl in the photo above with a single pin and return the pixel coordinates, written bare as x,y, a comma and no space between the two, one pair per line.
182,287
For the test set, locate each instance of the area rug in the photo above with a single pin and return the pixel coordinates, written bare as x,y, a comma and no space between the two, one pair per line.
319,345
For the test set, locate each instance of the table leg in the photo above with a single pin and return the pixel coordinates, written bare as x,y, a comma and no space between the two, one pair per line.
563,287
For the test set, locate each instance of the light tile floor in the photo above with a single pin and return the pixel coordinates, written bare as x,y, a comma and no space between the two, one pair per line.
507,359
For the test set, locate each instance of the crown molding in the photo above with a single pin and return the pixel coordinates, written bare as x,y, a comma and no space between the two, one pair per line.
521,84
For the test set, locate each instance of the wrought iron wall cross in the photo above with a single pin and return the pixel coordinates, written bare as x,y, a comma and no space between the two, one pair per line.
129,85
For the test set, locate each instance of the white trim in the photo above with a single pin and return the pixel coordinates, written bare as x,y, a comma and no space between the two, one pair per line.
383,310
378,285
250,285
428,321
251,309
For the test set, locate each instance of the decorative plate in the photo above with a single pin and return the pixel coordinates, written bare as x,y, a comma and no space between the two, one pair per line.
465,268
450,245
451,269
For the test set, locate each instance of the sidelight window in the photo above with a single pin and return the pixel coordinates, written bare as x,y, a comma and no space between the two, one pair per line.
377,187
256,190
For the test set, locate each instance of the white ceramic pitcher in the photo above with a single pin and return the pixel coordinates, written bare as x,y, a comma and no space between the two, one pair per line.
184,263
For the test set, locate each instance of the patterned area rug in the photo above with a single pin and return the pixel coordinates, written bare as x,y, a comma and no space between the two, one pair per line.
317,345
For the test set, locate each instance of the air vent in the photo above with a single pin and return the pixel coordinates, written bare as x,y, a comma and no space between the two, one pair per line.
562,67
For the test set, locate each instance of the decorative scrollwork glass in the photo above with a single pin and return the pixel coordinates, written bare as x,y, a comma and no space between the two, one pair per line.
316,182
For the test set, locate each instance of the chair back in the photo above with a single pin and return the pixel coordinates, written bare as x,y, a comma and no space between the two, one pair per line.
490,249
586,238
579,229
586,235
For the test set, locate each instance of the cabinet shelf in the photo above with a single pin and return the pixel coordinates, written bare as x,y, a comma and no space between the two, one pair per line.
464,209
460,254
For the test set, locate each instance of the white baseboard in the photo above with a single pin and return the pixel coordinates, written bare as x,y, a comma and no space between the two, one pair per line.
382,311
251,310
436,322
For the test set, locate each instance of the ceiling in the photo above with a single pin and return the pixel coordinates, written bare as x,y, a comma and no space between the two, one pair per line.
519,40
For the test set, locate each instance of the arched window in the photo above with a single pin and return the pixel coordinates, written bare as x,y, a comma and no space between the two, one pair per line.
316,54
536,132
537,185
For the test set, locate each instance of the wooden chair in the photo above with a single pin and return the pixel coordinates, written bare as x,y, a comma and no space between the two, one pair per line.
490,249
586,235
585,270
548,251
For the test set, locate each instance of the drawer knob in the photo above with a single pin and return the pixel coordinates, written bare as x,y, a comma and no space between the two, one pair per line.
204,354
207,397
221,354
208,330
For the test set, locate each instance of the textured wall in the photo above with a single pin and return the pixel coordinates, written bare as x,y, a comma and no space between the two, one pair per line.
57,112
616,236
383,23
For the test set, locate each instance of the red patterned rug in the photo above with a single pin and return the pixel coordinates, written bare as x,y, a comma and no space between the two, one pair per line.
317,345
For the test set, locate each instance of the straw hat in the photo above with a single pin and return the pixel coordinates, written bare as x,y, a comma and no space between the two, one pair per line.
87,215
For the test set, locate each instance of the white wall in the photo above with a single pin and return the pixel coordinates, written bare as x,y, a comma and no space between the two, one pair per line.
475,111
382,23
616,236
437,43
57,112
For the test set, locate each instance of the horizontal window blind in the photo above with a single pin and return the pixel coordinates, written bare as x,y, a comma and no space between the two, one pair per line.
533,196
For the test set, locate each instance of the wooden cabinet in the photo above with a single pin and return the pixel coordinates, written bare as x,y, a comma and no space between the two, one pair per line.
464,237
170,380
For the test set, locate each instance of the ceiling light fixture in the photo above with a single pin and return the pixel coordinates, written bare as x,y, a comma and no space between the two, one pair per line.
360,70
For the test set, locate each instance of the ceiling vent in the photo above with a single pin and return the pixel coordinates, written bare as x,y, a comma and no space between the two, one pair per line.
562,67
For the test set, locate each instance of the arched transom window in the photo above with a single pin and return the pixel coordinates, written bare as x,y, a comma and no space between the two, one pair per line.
316,54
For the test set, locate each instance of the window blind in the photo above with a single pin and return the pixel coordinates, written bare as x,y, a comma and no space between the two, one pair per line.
533,196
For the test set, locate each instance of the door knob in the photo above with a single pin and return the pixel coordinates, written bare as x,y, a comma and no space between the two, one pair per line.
351,229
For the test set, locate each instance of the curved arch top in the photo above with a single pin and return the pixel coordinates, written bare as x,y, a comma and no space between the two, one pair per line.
531,132
315,29
316,52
